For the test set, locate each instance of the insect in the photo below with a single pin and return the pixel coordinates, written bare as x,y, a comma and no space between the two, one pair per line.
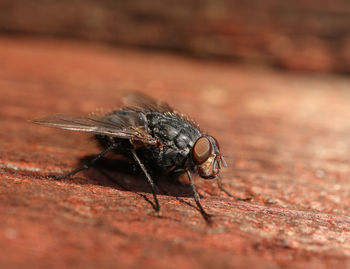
150,133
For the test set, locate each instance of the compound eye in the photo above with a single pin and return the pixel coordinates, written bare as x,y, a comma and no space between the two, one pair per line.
201,150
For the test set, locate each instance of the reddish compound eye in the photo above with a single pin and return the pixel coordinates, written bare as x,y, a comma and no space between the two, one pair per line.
201,150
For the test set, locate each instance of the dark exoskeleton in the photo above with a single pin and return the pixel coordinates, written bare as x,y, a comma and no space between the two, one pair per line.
150,132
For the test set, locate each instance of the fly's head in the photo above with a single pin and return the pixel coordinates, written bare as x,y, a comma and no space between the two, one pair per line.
207,157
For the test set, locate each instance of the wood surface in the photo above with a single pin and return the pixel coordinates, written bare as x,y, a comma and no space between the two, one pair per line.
285,137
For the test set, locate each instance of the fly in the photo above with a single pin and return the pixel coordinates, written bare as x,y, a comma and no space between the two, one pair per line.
149,131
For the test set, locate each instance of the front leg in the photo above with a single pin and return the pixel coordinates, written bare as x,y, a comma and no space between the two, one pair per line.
205,215
221,187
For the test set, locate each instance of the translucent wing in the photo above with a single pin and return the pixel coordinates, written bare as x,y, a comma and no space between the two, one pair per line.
141,102
123,124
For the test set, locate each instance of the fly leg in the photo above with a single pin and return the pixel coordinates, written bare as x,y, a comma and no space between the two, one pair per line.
205,215
87,165
149,179
221,187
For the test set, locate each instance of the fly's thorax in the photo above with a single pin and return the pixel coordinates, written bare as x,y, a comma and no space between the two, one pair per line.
177,137
172,130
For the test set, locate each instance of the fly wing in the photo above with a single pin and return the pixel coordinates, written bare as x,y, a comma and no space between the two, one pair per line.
141,102
122,124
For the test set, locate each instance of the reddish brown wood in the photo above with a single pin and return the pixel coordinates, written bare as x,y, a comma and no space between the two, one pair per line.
296,35
285,137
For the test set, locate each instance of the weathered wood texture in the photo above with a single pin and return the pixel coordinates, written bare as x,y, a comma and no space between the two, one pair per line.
307,35
286,138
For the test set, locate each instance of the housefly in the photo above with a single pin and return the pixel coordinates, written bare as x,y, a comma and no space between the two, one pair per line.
150,132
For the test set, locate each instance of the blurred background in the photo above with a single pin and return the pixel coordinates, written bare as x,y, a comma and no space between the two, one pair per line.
304,35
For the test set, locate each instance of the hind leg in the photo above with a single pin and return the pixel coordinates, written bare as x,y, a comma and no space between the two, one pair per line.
87,165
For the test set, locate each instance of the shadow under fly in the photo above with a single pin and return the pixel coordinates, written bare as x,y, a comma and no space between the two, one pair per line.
125,174
152,134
